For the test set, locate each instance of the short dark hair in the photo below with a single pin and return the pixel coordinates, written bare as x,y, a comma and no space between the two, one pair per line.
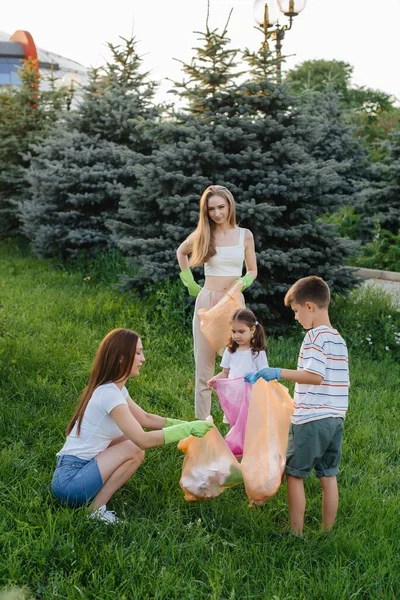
309,289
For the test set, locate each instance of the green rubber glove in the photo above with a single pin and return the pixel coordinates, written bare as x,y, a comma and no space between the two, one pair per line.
235,476
175,433
187,280
171,422
247,280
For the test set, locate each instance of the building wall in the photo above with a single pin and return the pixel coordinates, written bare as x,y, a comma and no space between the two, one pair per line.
68,73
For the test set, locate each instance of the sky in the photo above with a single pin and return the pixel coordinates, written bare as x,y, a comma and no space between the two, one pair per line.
363,33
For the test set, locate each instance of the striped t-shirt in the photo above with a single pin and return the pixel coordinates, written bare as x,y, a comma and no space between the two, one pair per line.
324,352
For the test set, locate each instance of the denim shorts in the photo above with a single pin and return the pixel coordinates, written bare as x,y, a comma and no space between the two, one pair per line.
76,481
315,445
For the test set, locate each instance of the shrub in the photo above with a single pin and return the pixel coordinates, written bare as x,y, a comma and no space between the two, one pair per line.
382,253
369,320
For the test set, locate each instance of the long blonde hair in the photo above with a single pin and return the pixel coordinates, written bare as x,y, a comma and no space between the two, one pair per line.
113,362
203,246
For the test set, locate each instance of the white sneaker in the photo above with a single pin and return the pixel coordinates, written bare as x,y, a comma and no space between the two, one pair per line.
225,420
104,515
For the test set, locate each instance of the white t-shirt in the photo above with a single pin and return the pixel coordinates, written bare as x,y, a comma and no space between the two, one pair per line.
243,361
98,428
323,352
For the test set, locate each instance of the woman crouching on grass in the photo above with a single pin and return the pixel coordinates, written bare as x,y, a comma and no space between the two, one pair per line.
105,441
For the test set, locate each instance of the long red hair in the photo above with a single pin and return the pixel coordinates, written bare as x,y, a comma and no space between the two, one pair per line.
113,362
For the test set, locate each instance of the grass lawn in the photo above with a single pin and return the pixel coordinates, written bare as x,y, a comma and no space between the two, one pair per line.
51,322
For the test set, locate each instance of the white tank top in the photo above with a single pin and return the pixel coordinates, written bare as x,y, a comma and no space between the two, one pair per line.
228,260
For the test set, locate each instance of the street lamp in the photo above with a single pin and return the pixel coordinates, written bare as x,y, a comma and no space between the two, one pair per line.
72,82
266,15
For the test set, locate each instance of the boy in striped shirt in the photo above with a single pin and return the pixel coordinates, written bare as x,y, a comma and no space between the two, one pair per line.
320,401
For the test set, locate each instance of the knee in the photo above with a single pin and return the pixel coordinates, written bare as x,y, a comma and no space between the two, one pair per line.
135,453
135,461
327,483
140,454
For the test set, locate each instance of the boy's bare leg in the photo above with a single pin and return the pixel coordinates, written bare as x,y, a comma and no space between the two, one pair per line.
330,501
296,503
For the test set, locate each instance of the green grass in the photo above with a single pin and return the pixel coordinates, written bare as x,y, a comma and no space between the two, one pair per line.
51,322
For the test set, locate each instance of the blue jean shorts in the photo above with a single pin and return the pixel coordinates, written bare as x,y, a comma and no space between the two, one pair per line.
76,481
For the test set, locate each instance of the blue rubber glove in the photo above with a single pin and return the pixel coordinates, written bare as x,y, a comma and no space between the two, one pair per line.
268,373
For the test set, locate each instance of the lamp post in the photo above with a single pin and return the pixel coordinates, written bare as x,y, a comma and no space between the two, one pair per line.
266,15
71,82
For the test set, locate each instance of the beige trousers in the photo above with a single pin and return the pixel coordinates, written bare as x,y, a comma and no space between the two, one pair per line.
204,354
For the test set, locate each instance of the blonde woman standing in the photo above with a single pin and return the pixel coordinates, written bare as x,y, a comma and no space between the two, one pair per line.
222,247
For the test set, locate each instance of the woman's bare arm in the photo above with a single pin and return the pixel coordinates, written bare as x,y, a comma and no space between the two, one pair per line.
145,419
183,252
250,254
132,429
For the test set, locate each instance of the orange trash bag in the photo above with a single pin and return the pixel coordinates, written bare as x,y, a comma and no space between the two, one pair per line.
215,322
209,466
266,440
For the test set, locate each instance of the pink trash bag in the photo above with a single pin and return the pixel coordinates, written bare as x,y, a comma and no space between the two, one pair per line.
234,397
215,322
266,440
209,467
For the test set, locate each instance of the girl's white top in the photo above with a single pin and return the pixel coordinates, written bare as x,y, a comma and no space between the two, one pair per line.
98,428
243,361
228,260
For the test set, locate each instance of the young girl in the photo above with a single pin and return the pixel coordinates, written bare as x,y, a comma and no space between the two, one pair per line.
222,247
105,440
246,348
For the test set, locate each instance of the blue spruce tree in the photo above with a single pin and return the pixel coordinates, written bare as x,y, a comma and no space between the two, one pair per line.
156,215
254,139
378,202
78,173
27,115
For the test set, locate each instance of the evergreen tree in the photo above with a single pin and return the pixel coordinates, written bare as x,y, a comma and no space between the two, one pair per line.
212,71
372,112
379,200
317,75
78,173
27,115
255,142
332,137
118,99
76,180
162,209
